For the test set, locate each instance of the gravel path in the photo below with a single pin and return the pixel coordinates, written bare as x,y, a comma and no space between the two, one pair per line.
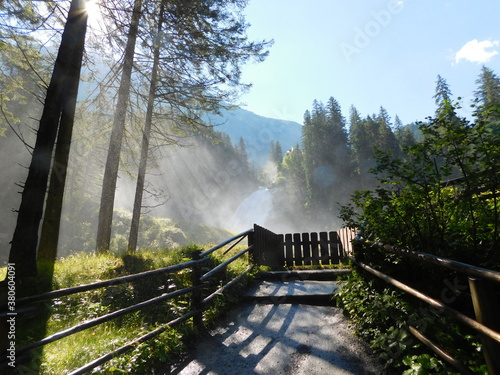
273,339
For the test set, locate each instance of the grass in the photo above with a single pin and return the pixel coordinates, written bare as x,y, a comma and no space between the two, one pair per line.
78,349
320,267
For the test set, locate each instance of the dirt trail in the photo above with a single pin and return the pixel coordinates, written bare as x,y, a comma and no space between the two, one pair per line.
292,339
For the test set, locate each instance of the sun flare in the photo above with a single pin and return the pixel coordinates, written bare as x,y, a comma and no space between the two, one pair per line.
94,12
91,6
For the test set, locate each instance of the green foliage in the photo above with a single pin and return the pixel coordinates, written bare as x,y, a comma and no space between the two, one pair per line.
155,234
415,209
440,198
381,316
21,70
65,312
421,365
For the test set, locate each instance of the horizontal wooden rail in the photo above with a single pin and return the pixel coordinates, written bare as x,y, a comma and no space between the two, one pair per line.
105,318
432,302
133,344
224,243
482,292
223,265
440,352
454,265
233,245
100,284
119,280
198,286
219,291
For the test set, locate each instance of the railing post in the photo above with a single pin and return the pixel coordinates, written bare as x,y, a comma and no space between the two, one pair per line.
486,309
251,242
196,298
268,248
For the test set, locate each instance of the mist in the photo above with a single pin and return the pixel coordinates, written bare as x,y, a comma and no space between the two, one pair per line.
202,180
200,187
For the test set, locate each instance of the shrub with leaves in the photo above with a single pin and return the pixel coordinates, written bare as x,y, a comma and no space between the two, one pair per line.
442,196
381,315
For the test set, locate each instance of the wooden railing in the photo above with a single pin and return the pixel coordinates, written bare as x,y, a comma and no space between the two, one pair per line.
482,287
200,301
301,249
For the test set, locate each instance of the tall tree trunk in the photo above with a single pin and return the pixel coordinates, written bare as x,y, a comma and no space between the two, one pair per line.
113,159
24,243
141,174
49,236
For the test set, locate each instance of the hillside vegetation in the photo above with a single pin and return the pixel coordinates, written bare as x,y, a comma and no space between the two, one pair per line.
84,268
441,198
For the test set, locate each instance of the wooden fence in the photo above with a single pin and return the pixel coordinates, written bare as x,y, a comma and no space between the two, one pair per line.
301,249
264,246
200,294
482,288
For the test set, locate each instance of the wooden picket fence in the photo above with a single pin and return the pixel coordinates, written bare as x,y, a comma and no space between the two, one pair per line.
264,246
301,249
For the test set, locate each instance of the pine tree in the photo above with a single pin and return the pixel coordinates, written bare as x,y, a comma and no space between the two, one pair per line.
386,140
203,45
241,148
443,98
488,96
403,134
488,92
398,124
146,135
294,172
49,236
113,159
58,101
357,138
327,157
276,153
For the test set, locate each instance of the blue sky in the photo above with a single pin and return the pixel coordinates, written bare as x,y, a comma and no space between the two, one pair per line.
368,53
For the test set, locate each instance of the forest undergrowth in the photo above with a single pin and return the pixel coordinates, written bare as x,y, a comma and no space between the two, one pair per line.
442,198
70,353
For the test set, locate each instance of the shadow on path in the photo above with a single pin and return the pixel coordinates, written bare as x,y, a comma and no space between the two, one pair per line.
279,339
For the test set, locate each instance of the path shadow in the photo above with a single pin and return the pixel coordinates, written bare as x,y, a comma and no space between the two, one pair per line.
275,339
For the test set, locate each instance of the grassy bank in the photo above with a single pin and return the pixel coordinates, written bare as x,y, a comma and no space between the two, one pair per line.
78,349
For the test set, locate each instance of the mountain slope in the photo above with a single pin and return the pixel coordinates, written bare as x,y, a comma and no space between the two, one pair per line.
258,132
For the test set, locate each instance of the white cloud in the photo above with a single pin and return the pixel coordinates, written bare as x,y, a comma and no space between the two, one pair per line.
476,51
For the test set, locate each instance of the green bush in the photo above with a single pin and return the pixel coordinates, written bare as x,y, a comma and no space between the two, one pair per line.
381,316
413,206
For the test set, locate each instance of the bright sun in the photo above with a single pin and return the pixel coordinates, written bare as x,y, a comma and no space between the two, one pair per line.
91,6
93,11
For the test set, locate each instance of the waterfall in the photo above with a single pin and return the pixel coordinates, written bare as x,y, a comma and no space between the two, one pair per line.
254,209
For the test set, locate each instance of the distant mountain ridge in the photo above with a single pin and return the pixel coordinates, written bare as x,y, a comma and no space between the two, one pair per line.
258,132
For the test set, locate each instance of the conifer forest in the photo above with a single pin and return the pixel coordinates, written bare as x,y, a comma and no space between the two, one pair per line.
106,125
125,148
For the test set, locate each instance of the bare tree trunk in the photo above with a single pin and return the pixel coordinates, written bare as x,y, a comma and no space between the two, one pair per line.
141,174
49,236
113,159
23,251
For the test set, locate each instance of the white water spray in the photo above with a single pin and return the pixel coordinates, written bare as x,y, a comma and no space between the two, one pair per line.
254,209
